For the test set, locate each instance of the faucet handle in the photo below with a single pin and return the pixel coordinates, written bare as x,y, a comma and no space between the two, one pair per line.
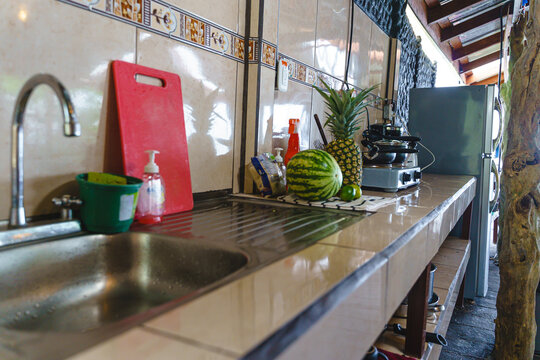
67,202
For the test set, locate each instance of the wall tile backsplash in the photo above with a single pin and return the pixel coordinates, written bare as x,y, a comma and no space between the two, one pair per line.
171,21
75,40
209,95
313,37
76,46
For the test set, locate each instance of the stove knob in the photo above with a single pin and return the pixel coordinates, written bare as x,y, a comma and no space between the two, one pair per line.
406,177
417,175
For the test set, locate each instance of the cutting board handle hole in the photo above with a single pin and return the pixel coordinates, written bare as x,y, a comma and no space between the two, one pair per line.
149,80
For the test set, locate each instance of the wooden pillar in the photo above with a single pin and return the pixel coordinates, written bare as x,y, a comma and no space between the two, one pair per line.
519,254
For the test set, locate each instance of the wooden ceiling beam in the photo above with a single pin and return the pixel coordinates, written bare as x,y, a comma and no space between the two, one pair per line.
479,62
476,46
468,77
420,9
477,21
440,12
490,80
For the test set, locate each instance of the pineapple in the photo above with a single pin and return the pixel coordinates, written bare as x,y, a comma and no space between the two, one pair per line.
343,121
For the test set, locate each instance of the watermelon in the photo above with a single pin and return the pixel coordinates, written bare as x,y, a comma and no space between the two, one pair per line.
314,175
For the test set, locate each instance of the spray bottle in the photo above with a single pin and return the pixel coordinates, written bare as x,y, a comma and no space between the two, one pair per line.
294,141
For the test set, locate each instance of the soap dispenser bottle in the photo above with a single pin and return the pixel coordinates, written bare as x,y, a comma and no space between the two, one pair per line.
151,202
280,163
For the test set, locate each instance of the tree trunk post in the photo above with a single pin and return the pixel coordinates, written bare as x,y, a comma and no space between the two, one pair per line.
520,197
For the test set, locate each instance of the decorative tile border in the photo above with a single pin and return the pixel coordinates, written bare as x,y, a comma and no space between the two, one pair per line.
269,54
161,18
164,19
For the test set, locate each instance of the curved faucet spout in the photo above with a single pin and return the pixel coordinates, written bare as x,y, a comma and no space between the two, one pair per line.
71,128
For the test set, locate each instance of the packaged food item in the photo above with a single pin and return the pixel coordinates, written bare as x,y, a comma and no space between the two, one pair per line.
267,175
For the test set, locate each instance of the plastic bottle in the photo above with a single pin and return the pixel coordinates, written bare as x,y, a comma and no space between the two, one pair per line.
279,161
152,194
294,141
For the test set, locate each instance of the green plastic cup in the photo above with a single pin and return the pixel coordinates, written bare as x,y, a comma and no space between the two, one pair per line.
108,209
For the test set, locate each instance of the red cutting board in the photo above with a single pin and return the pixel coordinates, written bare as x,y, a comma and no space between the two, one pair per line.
151,117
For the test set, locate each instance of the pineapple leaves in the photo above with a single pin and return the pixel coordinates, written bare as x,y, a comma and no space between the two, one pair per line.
343,118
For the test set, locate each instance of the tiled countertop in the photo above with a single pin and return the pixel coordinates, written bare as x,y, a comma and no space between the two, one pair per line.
331,298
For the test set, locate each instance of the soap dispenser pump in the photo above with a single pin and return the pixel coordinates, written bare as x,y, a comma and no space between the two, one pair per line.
151,202
279,161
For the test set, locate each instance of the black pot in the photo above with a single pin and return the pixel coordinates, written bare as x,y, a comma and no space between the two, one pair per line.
381,158
400,157
387,129
394,131
387,152
374,354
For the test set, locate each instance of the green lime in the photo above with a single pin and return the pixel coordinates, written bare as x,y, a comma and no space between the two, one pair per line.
358,192
348,193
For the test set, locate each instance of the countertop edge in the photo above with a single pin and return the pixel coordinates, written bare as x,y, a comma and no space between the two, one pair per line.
279,340
283,338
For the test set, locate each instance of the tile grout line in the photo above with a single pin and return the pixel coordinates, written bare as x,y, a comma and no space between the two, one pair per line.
316,35
350,33
345,247
234,150
234,180
245,96
192,342
257,51
136,46
310,121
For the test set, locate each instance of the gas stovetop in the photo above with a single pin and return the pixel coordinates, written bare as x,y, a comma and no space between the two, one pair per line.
390,177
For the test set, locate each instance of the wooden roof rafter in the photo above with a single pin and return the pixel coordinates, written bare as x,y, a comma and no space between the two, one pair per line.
479,62
440,12
476,46
475,22
436,19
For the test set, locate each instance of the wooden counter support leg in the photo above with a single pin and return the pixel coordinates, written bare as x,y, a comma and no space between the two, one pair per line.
495,230
460,302
416,316
466,228
465,234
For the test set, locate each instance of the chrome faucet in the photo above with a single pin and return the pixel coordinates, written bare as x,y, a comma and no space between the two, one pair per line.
71,128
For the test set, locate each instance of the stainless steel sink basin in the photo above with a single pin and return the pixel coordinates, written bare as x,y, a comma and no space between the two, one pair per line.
60,296
89,282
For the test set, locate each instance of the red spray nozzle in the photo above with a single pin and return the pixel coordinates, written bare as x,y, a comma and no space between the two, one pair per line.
293,126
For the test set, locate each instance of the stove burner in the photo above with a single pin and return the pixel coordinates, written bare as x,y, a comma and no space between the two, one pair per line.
389,177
